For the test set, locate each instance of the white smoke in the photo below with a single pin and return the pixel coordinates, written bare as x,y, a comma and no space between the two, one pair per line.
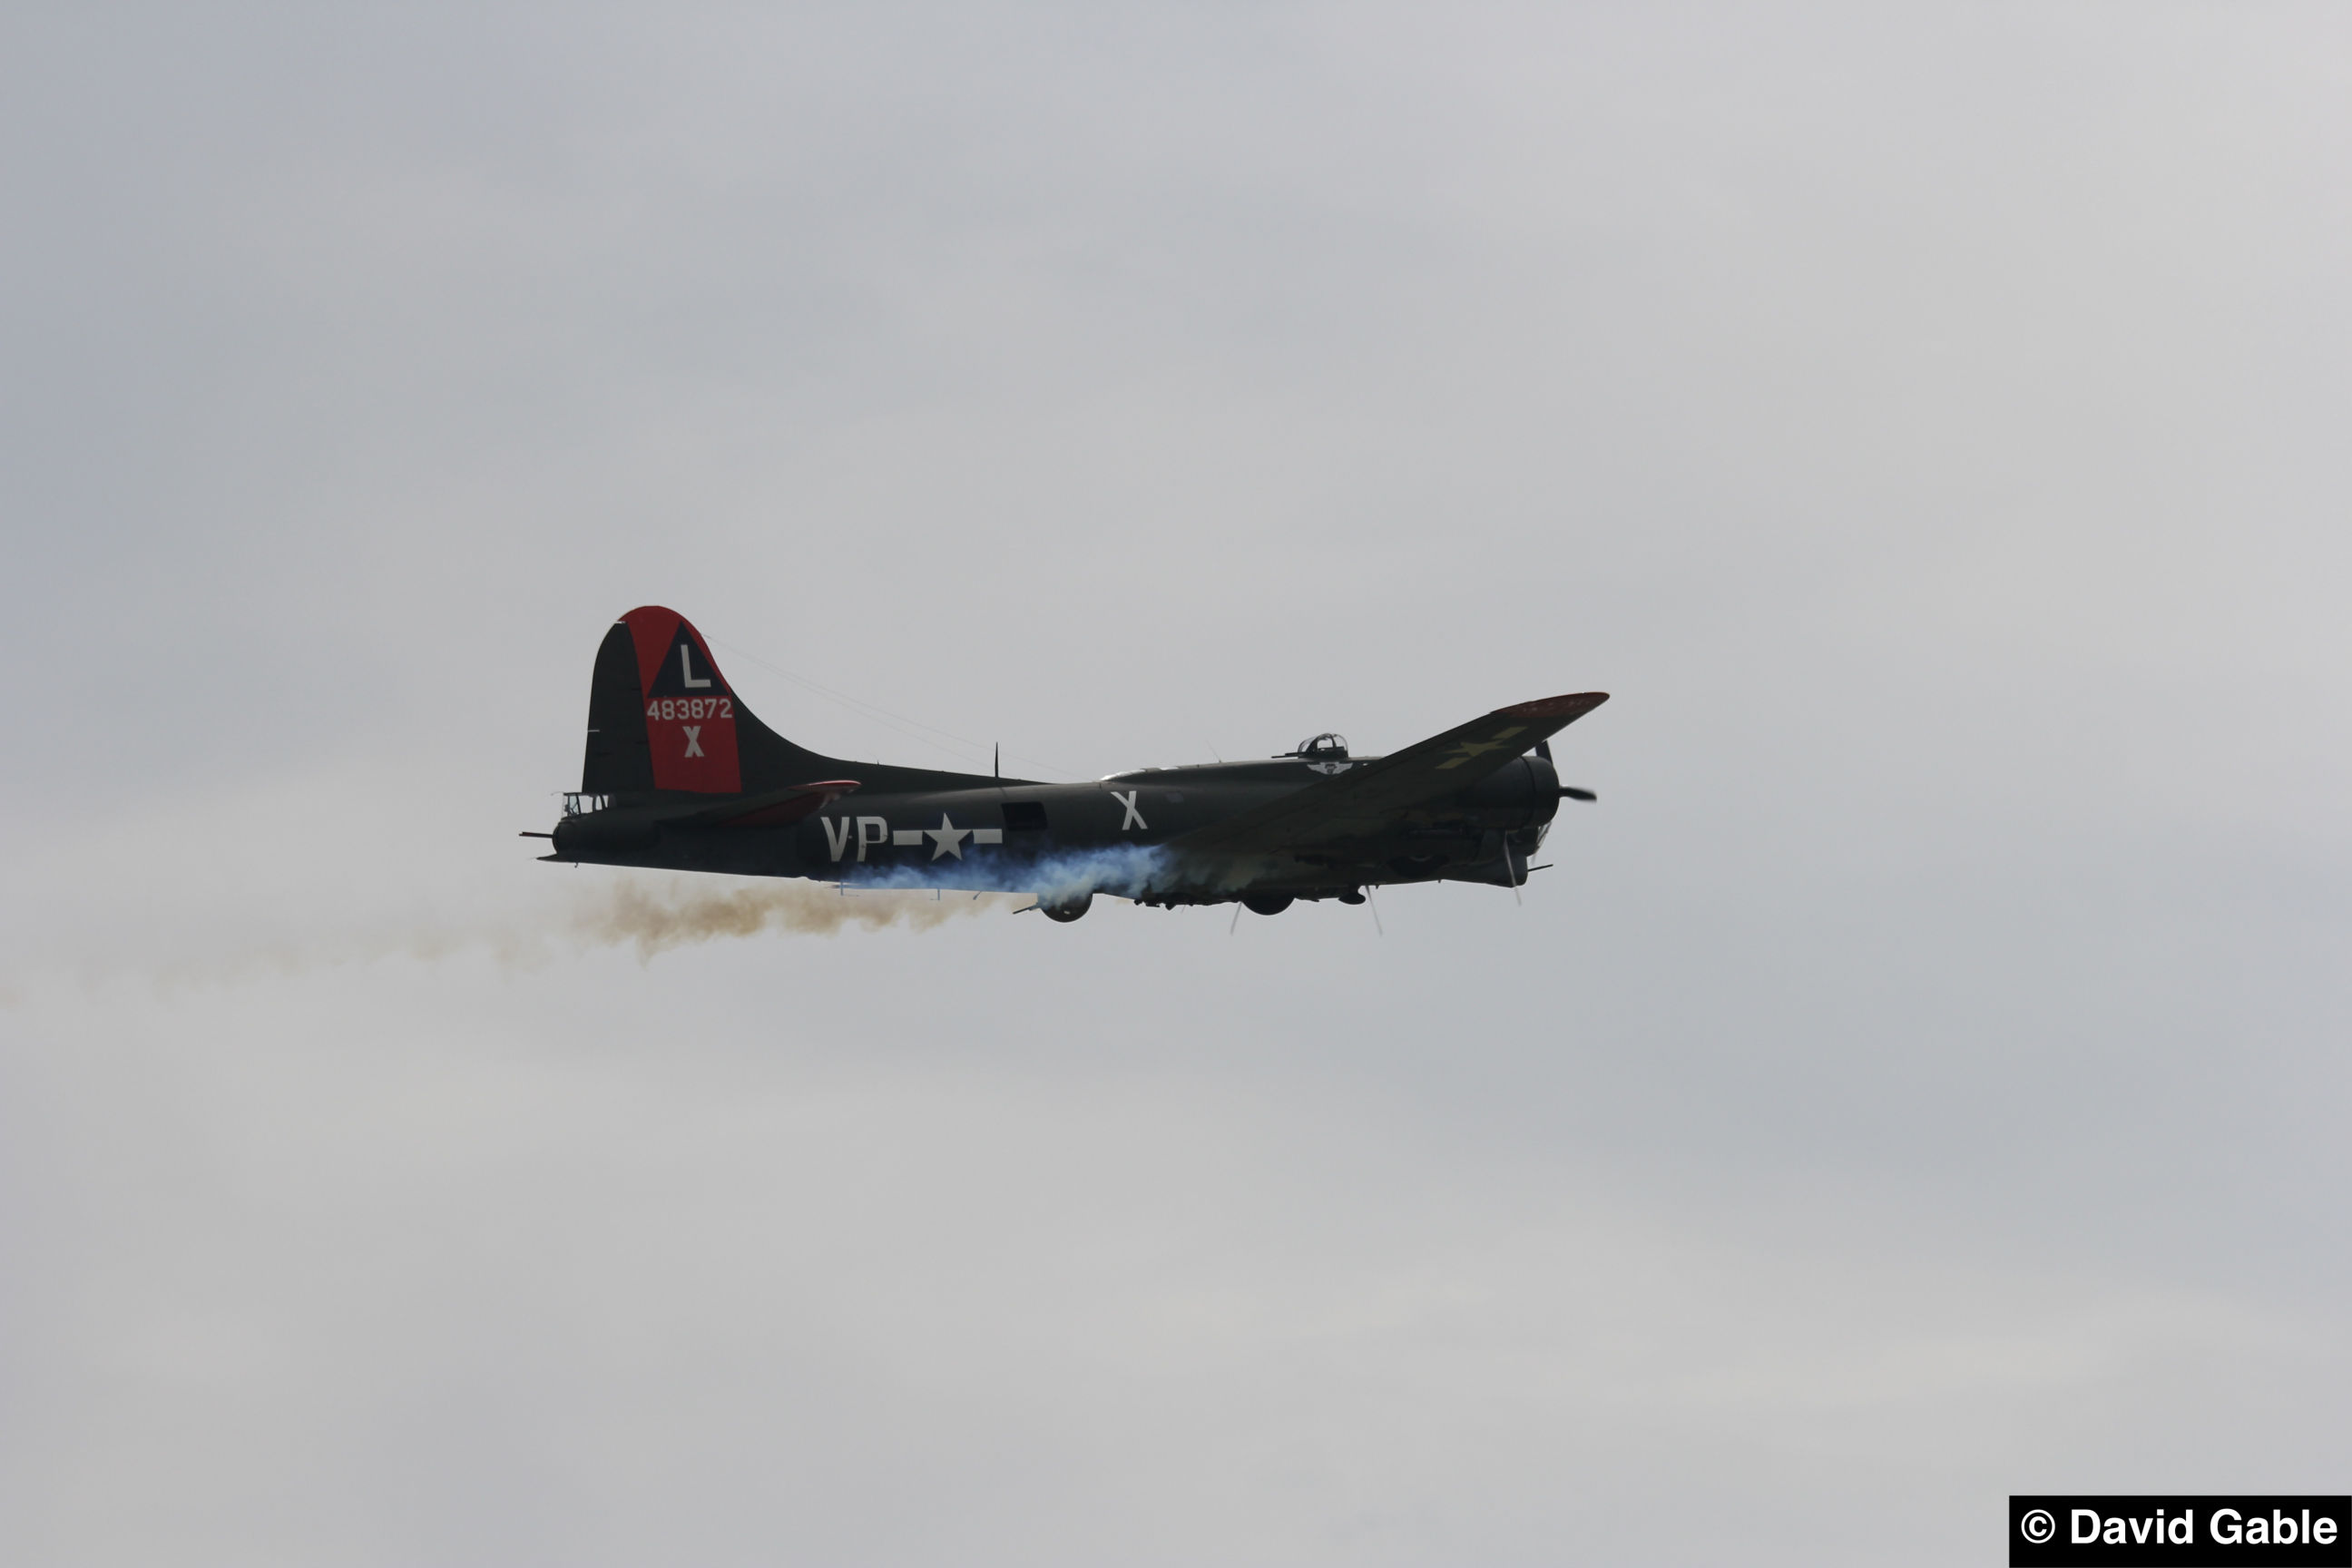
1124,870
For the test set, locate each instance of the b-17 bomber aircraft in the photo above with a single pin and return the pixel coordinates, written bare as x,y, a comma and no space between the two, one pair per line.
680,776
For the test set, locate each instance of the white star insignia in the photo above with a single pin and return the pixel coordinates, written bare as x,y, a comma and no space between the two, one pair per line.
947,838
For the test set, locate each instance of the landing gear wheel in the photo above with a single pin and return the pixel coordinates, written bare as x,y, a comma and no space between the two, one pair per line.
1267,904
1070,909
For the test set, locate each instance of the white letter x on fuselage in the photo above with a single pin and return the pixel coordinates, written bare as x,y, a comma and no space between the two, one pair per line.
1134,818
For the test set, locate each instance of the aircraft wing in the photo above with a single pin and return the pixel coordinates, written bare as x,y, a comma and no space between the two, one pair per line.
1363,800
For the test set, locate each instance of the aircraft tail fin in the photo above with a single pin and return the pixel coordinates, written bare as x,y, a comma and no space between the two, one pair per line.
661,716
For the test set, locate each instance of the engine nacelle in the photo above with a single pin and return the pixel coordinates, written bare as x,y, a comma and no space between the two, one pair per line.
1522,793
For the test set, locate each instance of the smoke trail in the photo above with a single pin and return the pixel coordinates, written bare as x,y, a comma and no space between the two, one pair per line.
651,913
657,918
1125,871
689,910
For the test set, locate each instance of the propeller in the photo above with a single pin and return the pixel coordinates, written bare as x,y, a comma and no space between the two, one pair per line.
1567,792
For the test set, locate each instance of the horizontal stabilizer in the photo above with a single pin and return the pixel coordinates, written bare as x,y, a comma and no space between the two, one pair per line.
776,808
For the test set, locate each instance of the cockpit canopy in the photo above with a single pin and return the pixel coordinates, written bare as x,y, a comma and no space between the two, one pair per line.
1326,747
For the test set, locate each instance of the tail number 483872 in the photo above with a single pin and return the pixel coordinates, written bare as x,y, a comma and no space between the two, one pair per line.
690,707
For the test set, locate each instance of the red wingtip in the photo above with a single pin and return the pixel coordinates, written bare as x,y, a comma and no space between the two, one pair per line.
1571,707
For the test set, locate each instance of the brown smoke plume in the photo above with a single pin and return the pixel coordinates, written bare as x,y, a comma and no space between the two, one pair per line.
658,917
651,913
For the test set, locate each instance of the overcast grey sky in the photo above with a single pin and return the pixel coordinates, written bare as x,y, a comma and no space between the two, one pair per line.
1921,1079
